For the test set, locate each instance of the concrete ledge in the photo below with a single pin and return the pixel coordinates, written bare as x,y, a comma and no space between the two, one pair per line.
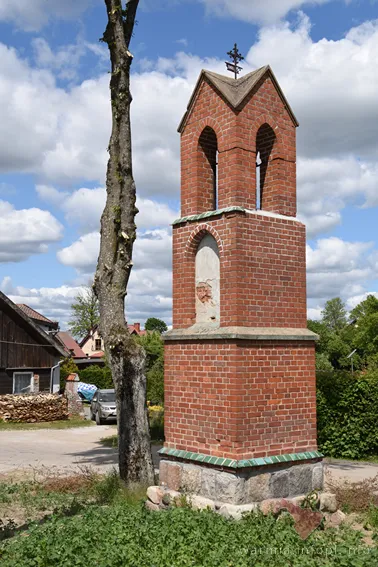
212,332
242,210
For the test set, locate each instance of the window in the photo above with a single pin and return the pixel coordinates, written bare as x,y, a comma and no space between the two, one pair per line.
23,382
98,344
108,397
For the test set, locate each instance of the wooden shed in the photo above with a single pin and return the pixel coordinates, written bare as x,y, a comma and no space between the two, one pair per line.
29,356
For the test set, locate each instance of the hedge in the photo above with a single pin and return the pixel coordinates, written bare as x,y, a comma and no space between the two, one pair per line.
99,376
347,408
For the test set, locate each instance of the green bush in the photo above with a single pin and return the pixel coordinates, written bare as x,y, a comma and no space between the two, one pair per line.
347,411
67,367
99,376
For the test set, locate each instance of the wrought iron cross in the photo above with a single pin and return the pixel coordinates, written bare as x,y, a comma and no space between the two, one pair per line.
235,57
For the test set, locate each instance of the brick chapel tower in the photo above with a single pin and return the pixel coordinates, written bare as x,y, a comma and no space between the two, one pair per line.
240,421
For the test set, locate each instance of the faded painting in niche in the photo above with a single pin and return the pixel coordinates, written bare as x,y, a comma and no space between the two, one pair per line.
207,281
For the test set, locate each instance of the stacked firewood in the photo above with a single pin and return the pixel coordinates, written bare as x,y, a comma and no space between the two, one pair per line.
33,408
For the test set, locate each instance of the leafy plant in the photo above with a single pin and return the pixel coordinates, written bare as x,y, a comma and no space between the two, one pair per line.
372,516
311,501
129,536
7,529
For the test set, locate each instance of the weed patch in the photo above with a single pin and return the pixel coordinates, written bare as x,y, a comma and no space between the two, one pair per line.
130,536
355,496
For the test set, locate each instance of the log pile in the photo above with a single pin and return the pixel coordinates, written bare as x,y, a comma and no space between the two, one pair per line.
33,408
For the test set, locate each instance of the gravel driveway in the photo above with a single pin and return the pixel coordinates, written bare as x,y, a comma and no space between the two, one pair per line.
62,450
66,449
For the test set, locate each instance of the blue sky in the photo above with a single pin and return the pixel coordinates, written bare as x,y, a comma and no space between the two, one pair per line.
56,120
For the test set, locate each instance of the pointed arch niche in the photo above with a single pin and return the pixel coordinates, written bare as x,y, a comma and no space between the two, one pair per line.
207,268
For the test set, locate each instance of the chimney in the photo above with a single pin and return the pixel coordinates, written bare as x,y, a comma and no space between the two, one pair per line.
137,327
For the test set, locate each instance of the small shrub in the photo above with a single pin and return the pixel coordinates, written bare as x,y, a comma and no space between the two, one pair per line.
107,489
372,516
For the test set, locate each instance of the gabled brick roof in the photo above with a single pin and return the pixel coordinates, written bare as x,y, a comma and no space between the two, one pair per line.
235,90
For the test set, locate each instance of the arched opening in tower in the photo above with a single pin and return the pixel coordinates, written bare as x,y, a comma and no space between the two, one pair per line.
208,168
265,141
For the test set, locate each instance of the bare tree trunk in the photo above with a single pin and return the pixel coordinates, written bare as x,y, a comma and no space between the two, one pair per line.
118,232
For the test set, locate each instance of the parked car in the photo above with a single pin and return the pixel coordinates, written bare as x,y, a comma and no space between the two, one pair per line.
103,406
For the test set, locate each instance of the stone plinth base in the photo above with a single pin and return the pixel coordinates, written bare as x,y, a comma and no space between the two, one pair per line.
243,485
161,498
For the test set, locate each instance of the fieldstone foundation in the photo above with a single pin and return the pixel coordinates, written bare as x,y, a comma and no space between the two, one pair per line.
242,485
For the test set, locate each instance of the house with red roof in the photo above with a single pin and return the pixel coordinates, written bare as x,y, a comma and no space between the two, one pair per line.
46,324
93,345
72,347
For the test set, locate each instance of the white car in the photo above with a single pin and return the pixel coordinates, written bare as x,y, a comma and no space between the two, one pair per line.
103,406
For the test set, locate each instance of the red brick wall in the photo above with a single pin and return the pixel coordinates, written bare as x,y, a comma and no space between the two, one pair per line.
263,270
240,399
236,133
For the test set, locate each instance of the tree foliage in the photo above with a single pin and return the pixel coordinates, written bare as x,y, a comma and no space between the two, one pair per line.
347,406
334,314
154,348
154,324
340,336
84,313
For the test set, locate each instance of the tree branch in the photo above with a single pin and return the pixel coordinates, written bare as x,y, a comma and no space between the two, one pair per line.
129,19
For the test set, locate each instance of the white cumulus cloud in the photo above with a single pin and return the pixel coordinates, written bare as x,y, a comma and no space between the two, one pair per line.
33,15
25,232
256,11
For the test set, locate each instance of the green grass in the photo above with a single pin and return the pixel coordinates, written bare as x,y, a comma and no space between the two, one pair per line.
125,534
156,432
67,424
96,521
111,441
